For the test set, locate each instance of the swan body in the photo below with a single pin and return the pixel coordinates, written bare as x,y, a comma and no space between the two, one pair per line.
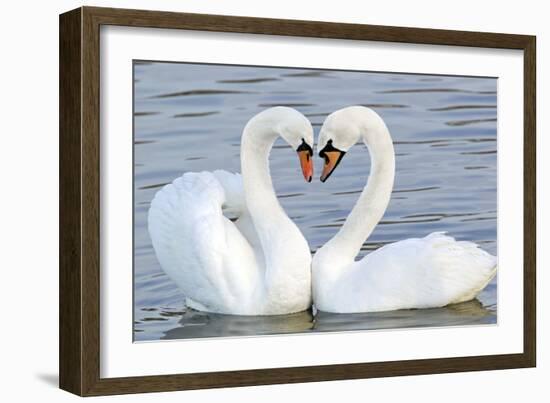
428,272
256,264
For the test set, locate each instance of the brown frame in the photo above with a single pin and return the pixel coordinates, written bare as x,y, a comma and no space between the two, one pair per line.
79,200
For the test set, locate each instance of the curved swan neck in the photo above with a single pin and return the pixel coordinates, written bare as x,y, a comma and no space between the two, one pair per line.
256,143
282,243
374,198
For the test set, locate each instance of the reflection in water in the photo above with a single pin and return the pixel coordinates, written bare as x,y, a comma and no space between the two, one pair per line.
311,73
202,324
195,324
248,80
469,122
195,114
458,107
378,106
145,113
466,313
199,92
428,90
189,117
288,104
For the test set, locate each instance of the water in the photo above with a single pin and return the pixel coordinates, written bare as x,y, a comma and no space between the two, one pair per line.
189,117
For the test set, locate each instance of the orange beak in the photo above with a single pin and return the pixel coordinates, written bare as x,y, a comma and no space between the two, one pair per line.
332,159
306,163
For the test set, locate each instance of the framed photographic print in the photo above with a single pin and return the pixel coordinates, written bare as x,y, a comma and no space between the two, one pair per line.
249,201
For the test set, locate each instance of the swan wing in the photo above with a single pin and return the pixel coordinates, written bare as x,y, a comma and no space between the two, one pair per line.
232,183
427,272
234,207
197,246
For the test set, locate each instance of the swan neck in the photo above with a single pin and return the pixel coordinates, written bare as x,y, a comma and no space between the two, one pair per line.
261,199
280,239
374,199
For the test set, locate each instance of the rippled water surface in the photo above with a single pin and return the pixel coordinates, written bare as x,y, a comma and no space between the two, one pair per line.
189,117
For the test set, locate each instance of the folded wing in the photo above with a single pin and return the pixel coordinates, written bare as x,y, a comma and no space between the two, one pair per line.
427,272
201,249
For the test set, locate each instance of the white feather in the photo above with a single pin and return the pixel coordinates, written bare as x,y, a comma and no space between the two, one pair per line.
428,272
193,239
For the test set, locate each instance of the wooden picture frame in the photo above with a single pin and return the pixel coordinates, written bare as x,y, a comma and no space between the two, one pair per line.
79,346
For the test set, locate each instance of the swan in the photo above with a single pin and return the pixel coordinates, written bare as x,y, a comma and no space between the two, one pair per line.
258,264
428,272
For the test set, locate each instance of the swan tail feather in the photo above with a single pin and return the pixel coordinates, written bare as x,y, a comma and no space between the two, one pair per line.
461,269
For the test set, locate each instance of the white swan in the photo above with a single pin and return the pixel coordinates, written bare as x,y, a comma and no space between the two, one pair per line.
259,264
414,273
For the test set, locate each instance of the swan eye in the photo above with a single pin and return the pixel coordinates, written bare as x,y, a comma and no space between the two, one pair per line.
305,147
327,148
332,157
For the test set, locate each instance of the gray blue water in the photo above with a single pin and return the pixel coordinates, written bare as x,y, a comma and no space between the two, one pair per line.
189,117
